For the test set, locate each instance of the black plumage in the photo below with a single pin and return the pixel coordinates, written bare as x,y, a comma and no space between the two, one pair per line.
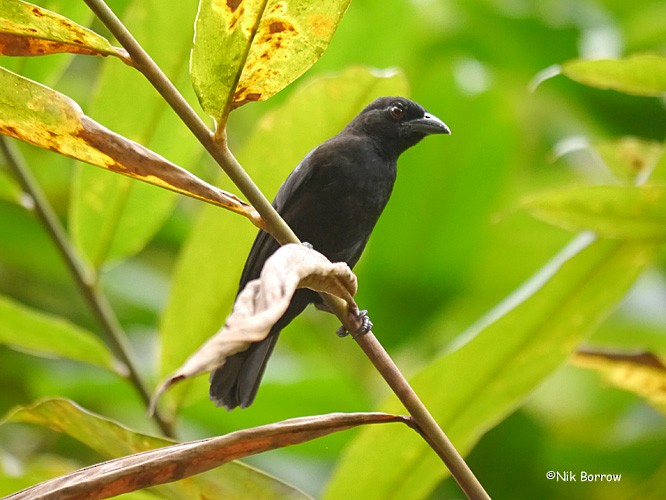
331,200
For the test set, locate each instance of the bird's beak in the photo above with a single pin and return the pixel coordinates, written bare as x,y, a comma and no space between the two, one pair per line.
429,124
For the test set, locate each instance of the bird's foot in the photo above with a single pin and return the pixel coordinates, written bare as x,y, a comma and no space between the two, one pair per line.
360,321
357,319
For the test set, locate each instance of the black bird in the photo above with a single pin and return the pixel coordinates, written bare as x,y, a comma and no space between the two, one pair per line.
331,200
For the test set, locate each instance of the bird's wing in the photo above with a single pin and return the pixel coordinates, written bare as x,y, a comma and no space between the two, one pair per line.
294,184
264,244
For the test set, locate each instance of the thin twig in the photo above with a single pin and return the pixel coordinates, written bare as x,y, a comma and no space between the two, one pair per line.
83,276
276,226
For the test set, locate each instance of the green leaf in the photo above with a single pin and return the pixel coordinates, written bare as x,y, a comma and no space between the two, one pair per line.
112,218
112,440
611,211
248,50
206,276
43,335
643,74
503,358
29,30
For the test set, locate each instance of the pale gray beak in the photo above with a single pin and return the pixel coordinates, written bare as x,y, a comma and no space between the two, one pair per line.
429,124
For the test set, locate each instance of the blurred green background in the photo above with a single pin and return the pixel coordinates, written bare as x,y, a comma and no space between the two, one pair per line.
454,241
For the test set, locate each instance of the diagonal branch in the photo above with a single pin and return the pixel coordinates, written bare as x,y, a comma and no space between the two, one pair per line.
216,145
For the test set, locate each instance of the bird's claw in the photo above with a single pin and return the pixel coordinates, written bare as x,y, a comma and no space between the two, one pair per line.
361,322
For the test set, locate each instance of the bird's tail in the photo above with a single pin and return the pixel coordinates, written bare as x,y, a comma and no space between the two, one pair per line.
237,381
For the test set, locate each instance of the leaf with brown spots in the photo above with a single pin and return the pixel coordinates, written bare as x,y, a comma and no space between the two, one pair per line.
642,373
248,50
28,30
41,116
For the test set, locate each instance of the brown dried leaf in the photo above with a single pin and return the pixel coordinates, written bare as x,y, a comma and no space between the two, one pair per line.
112,440
164,465
41,116
263,301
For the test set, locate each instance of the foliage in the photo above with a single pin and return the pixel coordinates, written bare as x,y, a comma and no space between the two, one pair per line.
537,139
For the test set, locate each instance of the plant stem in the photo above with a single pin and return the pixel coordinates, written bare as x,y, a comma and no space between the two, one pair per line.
425,422
83,276
276,226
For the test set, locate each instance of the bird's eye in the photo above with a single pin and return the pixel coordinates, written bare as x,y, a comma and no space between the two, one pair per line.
397,111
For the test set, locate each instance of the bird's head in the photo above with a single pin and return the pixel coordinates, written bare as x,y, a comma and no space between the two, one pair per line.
397,123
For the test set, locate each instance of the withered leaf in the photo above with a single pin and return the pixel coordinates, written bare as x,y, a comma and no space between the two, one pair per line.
163,465
111,440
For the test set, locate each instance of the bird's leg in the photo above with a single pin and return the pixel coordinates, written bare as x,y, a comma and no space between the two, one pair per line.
360,321
358,318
